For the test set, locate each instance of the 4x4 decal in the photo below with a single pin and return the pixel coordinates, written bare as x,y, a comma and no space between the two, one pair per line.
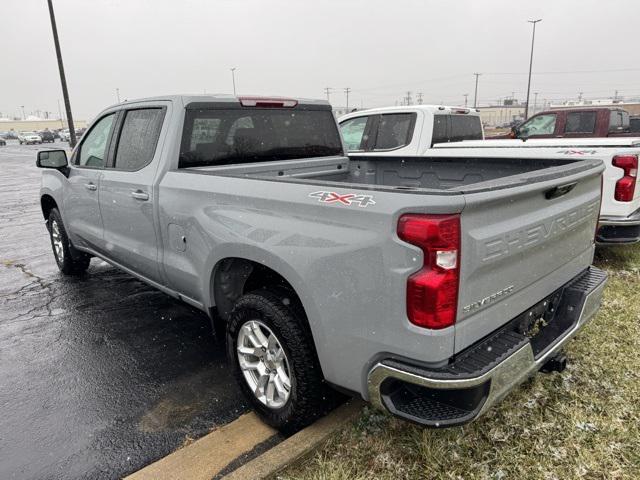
344,199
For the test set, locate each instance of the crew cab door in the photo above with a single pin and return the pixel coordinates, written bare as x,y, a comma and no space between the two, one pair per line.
127,191
81,210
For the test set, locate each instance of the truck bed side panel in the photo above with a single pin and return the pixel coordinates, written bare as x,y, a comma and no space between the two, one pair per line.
345,262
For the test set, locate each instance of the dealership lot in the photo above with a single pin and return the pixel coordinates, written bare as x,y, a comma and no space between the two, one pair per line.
100,375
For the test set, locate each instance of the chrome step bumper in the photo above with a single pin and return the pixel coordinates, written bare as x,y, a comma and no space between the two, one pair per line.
484,373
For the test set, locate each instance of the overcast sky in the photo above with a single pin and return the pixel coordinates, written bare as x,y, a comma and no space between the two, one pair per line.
380,49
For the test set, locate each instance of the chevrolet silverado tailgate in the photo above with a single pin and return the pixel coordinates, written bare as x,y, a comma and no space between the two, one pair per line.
521,243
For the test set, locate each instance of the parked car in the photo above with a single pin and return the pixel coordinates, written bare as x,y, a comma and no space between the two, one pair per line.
634,124
47,136
410,130
3,142
64,135
10,135
431,295
573,123
29,138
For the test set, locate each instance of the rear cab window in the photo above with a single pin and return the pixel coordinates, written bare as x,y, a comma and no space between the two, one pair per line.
455,128
618,121
227,135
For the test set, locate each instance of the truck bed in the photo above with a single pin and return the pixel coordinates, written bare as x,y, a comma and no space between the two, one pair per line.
436,175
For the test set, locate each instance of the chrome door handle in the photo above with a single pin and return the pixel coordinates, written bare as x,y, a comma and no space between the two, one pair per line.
91,186
140,195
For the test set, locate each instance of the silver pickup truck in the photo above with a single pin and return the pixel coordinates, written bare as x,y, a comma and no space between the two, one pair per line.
429,286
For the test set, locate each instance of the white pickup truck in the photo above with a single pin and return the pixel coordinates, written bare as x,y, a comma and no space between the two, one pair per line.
410,130
418,130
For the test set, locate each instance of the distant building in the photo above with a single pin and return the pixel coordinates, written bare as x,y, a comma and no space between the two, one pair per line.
7,125
631,106
501,115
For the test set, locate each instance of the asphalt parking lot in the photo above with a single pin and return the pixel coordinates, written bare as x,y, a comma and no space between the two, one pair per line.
99,375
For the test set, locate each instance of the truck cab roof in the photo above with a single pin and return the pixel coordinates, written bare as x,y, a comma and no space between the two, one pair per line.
186,99
432,109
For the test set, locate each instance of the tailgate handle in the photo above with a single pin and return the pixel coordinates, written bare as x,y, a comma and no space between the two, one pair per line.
559,191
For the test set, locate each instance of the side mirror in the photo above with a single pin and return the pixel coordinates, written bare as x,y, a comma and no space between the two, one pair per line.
514,132
56,159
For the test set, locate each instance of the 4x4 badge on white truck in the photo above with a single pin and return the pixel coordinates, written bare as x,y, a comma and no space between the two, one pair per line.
345,199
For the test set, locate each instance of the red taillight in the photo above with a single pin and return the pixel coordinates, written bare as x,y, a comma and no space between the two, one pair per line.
432,292
267,102
626,186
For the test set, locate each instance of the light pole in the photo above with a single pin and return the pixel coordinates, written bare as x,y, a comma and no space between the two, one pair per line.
63,80
23,115
118,94
346,91
533,39
475,95
466,97
233,79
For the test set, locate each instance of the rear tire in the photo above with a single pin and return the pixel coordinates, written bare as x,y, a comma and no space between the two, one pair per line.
261,322
69,260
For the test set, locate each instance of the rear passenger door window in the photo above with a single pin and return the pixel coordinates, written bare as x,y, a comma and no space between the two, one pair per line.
394,131
353,133
138,138
580,122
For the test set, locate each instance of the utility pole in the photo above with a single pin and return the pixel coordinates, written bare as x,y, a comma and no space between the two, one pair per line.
580,96
233,79
63,80
60,115
419,94
466,96
533,39
408,98
327,90
23,115
118,94
475,95
615,96
535,101
346,91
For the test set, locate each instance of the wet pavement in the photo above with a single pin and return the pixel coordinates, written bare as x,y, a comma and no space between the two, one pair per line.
99,375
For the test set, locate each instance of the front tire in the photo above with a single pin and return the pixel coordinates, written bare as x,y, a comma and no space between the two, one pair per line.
69,260
275,363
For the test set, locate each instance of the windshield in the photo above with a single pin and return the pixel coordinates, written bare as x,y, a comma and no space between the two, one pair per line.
223,137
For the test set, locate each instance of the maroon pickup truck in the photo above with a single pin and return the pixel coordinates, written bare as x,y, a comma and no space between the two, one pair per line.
574,123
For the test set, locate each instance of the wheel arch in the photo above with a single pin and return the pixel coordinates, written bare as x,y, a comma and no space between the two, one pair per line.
234,275
47,203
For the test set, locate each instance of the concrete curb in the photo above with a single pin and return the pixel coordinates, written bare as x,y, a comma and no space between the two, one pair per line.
209,455
296,447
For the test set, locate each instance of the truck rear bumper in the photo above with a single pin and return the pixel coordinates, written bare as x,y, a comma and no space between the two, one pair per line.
617,230
483,374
